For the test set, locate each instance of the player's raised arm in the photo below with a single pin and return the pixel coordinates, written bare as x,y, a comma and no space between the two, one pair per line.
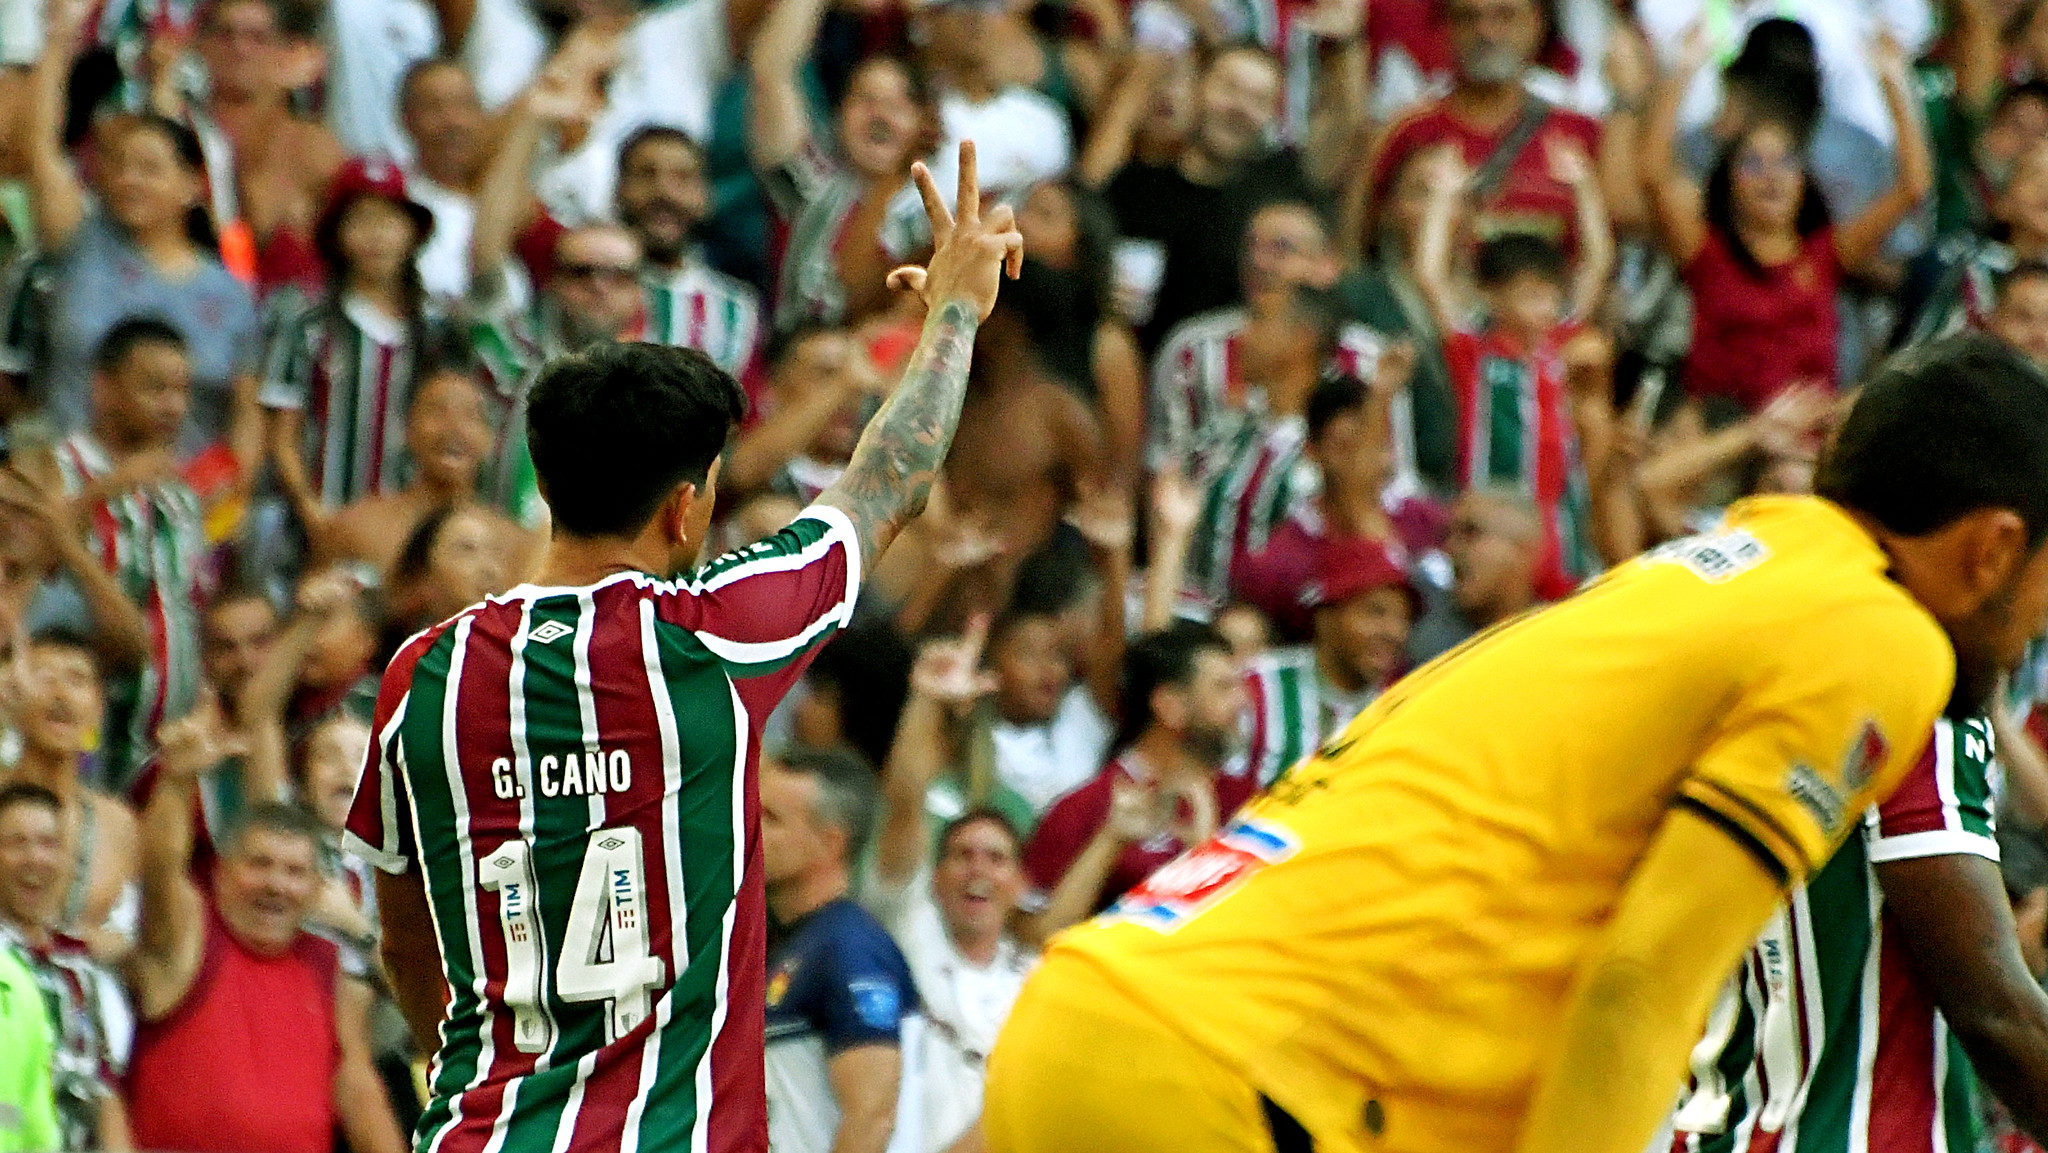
899,455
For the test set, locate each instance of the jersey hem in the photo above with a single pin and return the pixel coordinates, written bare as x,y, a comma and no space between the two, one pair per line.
1933,843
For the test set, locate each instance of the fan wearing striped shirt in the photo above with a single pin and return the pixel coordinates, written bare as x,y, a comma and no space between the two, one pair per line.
563,792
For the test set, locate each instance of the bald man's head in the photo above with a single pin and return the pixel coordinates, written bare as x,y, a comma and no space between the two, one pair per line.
1495,544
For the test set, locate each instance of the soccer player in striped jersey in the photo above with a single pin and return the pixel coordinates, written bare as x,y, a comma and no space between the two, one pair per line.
1856,1020
563,788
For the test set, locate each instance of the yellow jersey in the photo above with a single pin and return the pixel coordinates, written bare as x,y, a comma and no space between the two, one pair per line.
1400,917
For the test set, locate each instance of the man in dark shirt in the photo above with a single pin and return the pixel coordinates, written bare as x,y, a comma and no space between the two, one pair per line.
840,994
1196,208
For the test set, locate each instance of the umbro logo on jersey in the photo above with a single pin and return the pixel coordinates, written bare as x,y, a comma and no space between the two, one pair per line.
550,631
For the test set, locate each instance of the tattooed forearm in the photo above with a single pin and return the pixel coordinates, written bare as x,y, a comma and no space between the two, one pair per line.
897,460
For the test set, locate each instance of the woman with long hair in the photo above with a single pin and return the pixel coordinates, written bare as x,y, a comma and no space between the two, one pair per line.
1065,297
340,374
1757,245
851,212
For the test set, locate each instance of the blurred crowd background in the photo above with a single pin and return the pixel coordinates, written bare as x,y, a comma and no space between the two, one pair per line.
1347,329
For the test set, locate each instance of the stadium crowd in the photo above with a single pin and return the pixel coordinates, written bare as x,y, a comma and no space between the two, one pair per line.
1348,328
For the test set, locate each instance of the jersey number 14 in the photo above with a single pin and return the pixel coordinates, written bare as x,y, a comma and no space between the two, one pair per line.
604,948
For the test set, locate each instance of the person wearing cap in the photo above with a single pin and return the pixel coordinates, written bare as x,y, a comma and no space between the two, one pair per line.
338,375
1363,605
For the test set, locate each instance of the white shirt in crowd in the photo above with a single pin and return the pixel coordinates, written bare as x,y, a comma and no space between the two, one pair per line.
674,60
1042,763
1020,138
965,1005
370,44
1842,31
444,260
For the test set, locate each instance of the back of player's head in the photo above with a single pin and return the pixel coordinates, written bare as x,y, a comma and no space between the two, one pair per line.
615,428
846,798
1947,429
1165,659
1501,259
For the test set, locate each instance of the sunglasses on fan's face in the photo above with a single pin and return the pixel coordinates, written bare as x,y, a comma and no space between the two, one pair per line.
615,273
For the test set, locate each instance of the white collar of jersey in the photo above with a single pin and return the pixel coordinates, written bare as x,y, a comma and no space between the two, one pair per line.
533,592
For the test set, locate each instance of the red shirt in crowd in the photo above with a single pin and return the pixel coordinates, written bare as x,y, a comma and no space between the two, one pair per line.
1753,337
247,1061
1527,199
1075,818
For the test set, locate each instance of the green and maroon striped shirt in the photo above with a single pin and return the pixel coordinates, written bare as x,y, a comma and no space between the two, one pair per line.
1826,1041
572,771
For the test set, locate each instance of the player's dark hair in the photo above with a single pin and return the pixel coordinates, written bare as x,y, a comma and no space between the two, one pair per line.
1155,661
980,815
613,429
1336,394
1502,258
1950,427
847,800
132,333
16,793
783,344
279,817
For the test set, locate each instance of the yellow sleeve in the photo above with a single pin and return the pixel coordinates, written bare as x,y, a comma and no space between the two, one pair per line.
1834,716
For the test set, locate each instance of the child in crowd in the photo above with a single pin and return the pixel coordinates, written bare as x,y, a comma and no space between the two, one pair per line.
1520,423
340,373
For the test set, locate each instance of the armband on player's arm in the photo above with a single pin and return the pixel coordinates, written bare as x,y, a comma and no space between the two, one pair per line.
1639,1002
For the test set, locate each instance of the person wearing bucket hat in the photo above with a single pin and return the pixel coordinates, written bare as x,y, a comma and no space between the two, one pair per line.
1362,605
339,373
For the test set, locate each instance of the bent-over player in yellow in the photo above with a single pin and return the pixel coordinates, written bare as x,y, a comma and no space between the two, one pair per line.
1491,914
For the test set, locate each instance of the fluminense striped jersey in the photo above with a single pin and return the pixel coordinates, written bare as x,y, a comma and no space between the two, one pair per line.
1294,709
1825,1041
1200,398
153,540
1255,480
815,194
572,771
1515,430
350,371
699,307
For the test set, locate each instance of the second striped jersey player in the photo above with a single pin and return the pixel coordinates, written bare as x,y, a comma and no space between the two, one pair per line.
562,792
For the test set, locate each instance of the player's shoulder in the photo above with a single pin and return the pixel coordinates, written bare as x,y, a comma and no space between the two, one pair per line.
811,535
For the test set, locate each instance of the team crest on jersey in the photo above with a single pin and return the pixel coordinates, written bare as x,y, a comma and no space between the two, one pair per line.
1819,797
1205,874
1866,753
778,985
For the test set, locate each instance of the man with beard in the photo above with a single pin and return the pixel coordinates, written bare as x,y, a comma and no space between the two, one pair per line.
1362,606
1166,788
1196,208
662,199
1504,133
1438,934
